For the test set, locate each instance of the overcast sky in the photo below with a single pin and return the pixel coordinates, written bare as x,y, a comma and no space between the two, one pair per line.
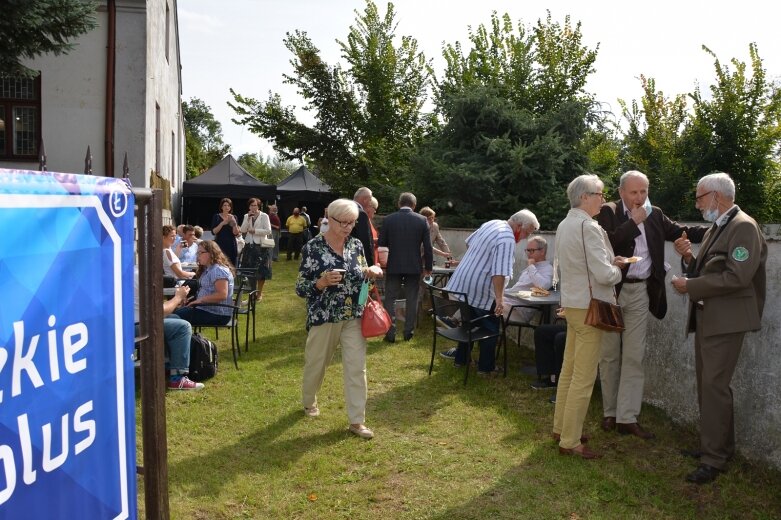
238,43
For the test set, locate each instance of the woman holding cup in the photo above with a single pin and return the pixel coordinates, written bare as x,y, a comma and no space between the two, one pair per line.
332,271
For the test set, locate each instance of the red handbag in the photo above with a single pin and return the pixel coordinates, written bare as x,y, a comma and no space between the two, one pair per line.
375,321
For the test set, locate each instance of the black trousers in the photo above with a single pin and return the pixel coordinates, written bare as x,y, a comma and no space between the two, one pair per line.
294,243
549,342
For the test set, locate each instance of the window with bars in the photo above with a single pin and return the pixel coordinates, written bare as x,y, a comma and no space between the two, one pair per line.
20,117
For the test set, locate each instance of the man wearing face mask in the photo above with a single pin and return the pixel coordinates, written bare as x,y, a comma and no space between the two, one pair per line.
483,273
726,287
635,229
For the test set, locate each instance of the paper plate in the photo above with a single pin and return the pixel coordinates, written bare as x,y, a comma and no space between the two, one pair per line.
633,259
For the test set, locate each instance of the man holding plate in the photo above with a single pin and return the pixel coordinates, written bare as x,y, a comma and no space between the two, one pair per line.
638,230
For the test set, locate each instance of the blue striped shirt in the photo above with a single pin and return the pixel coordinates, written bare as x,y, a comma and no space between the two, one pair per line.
206,287
490,252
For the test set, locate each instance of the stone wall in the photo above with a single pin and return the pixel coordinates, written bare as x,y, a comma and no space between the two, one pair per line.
670,383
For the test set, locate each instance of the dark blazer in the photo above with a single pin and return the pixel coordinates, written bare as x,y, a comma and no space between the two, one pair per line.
658,228
403,232
363,232
728,276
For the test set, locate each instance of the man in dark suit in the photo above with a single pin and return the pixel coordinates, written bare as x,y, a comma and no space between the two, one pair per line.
362,230
726,287
635,229
404,233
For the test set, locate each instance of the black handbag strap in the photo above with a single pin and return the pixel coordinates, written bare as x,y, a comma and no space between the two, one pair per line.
583,239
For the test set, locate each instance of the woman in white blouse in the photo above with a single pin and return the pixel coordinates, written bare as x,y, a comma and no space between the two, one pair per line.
256,226
172,266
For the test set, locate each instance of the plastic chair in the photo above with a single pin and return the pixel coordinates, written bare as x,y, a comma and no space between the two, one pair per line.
453,308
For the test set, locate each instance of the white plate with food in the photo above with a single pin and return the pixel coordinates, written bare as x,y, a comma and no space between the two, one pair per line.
633,259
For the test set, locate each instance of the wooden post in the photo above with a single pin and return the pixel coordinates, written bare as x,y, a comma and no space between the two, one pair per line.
150,263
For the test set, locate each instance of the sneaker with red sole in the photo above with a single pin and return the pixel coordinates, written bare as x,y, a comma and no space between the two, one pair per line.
185,383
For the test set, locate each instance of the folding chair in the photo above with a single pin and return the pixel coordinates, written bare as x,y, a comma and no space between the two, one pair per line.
453,307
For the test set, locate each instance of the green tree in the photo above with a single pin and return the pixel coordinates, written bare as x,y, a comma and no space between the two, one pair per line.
29,28
653,145
270,169
368,114
736,129
203,137
507,140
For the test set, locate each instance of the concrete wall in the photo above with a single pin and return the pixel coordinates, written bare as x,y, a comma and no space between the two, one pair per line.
670,380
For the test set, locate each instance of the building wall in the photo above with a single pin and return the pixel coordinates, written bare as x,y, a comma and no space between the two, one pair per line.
73,92
670,378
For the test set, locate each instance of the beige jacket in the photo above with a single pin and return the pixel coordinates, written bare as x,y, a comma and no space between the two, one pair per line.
571,262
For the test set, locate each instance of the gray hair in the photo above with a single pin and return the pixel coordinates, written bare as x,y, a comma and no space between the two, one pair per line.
408,200
581,185
343,209
720,182
362,193
375,203
541,242
632,174
526,219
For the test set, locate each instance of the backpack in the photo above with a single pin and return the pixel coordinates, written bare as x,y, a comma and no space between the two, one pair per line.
203,358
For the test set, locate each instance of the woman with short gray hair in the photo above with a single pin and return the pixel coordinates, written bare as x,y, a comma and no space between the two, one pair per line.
587,265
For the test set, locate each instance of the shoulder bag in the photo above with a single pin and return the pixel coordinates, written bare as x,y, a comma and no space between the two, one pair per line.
266,242
375,321
601,314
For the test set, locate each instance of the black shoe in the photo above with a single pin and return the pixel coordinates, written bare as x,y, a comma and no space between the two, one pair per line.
390,338
543,383
408,336
703,474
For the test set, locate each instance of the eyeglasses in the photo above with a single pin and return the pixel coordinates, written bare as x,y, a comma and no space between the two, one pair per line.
602,195
343,224
698,197
532,250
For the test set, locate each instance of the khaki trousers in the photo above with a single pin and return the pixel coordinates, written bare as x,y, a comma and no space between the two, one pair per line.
576,381
621,370
320,347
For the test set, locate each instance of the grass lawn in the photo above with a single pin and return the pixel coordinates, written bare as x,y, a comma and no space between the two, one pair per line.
242,448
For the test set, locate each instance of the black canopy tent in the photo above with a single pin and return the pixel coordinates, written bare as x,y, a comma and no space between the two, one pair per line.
302,188
201,195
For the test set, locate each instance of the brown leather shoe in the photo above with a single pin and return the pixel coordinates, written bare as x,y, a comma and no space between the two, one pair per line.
608,423
583,452
583,438
634,429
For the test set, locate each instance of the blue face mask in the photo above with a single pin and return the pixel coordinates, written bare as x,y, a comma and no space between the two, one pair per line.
647,207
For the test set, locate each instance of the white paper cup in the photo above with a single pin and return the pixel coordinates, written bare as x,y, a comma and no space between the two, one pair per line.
341,273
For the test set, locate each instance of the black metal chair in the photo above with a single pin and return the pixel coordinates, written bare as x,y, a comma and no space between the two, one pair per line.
248,305
239,296
512,321
453,320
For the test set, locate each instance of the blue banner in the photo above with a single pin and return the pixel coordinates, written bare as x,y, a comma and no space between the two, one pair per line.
67,403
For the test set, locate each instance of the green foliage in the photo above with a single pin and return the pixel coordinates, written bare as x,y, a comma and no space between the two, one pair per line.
29,28
203,138
367,116
508,140
270,170
735,130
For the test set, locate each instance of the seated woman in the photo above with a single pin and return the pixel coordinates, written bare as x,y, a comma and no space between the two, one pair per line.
172,267
215,274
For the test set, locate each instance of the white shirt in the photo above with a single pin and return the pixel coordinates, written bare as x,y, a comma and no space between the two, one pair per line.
539,274
642,268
